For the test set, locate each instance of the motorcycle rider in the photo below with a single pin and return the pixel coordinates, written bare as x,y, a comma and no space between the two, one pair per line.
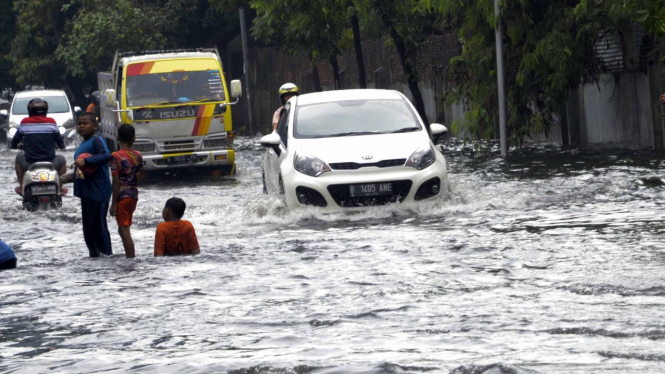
94,104
40,136
287,91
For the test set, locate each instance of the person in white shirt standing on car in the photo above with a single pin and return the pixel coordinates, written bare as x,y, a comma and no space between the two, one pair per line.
287,91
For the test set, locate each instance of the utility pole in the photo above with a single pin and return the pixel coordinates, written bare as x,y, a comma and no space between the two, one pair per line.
503,132
245,70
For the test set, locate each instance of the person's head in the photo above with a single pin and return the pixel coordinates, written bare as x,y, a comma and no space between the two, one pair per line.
126,134
174,209
287,91
37,107
87,124
94,98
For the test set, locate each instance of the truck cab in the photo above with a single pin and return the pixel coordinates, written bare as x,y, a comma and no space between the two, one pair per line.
179,104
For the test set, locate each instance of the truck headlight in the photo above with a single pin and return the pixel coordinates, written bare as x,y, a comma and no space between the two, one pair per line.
144,147
215,143
310,165
422,158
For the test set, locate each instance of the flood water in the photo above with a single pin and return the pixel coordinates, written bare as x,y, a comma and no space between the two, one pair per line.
551,262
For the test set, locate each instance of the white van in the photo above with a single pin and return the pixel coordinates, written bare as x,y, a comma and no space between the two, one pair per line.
59,108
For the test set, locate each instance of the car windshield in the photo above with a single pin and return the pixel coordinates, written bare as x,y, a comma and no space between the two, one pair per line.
354,117
56,104
175,87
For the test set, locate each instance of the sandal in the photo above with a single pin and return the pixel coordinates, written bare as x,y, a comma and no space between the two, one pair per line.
18,190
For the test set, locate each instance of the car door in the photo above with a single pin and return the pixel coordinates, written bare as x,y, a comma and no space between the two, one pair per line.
273,159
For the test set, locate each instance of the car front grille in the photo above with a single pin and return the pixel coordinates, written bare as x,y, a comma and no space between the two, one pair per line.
356,166
340,193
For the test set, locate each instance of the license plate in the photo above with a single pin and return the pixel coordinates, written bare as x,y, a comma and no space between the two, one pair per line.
42,189
370,189
182,159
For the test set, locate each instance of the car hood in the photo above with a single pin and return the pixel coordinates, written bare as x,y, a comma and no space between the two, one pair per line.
359,148
62,119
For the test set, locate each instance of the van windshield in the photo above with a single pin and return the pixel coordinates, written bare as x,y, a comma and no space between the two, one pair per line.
174,87
56,104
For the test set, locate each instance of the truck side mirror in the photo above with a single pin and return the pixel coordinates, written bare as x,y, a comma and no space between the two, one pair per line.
109,98
236,89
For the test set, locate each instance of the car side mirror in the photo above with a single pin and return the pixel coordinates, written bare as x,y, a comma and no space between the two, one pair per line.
437,130
4,113
109,98
236,89
272,140
77,109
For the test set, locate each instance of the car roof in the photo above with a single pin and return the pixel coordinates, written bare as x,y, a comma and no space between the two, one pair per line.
39,93
346,95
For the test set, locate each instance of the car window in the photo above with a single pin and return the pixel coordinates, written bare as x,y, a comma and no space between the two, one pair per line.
283,124
56,104
354,117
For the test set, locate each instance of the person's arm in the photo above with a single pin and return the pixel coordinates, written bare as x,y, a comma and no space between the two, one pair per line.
115,187
159,243
193,242
116,191
101,155
16,139
67,178
59,141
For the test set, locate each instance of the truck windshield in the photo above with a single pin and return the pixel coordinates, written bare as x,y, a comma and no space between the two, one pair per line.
174,87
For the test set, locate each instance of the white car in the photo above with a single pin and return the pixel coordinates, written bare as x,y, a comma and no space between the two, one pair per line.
59,109
346,149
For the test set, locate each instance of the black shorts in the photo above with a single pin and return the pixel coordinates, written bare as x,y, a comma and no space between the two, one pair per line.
58,161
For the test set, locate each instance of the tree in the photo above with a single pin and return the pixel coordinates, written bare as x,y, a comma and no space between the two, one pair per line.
6,35
548,50
66,42
409,24
310,28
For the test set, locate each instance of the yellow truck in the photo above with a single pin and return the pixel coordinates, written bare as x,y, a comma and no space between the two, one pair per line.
179,104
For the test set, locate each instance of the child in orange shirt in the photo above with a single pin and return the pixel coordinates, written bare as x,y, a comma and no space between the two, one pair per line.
174,236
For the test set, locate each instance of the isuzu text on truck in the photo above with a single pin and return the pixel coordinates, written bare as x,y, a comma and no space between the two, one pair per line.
178,103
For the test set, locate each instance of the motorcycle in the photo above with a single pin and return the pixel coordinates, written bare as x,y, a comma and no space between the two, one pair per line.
41,187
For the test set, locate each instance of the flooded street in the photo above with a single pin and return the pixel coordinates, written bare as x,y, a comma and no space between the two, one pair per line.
552,262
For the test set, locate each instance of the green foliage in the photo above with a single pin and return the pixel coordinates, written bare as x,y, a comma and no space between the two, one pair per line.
547,49
58,41
312,28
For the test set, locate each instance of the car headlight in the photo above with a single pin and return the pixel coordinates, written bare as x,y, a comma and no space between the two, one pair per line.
62,130
310,165
422,158
12,132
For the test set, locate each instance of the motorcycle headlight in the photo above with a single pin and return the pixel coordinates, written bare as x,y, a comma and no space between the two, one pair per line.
12,132
422,158
310,165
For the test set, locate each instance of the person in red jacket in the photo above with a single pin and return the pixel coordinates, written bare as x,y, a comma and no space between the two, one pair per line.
40,136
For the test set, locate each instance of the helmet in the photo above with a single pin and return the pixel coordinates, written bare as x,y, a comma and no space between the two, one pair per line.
37,107
94,97
287,88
